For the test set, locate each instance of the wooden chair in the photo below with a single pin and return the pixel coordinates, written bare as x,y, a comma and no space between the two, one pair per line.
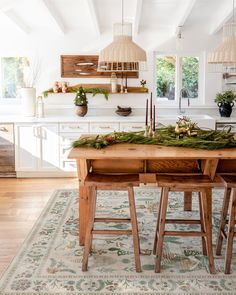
229,205
198,183
111,182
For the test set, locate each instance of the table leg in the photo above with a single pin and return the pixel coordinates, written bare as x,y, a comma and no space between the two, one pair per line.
187,201
83,213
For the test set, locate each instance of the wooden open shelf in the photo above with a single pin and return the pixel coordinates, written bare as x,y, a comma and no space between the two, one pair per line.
131,89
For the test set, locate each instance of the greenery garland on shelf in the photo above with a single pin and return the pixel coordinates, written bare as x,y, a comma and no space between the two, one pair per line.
94,91
166,136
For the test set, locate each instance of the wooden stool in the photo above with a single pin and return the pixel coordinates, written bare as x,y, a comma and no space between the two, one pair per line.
229,204
111,182
198,183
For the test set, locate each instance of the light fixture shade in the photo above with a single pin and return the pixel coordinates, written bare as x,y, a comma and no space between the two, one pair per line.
224,56
122,54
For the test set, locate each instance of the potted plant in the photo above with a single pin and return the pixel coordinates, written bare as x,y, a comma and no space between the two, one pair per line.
225,102
81,102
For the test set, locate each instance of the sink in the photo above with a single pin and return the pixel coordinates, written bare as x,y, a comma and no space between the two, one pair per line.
204,121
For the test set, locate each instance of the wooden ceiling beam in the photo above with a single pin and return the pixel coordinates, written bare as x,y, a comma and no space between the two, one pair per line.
223,18
137,17
185,14
94,16
17,21
57,19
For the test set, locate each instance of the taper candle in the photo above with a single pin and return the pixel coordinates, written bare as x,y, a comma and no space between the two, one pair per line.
154,118
146,122
151,107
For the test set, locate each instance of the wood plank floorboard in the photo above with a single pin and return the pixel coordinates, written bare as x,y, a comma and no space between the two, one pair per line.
21,203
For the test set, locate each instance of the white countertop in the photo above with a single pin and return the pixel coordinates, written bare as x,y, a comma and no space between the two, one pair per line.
94,118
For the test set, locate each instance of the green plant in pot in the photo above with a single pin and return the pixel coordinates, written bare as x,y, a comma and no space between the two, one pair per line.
225,102
81,102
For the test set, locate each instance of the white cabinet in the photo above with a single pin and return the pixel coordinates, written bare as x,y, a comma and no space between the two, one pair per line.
103,127
37,147
68,133
135,126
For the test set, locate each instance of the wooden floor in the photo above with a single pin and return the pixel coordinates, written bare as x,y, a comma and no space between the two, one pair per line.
21,202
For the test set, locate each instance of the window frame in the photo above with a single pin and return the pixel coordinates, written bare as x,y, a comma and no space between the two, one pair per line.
5,100
178,76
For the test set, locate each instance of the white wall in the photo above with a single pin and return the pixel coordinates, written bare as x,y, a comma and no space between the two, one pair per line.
48,47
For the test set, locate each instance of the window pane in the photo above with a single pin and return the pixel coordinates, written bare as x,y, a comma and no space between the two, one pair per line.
12,76
165,84
190,73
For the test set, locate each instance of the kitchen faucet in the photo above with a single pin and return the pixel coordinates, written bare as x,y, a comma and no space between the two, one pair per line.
183,94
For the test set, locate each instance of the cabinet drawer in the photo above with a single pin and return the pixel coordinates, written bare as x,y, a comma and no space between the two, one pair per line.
74,127
68,138
64,151
132,126
104,127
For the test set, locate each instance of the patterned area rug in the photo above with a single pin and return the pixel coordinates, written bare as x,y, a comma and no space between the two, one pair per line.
49,261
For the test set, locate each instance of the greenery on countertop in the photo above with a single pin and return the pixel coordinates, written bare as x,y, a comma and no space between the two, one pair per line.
166,136
225,97
94,91
80,98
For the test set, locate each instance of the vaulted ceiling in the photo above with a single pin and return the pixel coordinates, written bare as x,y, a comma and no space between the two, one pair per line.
97,16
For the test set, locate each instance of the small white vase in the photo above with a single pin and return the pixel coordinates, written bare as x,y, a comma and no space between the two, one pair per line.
28,101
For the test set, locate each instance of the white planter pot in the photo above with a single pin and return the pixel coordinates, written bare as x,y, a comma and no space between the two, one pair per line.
28,101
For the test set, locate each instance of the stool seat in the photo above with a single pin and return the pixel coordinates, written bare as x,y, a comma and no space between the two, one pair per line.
111,182
229,180
181,182
198,183
229,206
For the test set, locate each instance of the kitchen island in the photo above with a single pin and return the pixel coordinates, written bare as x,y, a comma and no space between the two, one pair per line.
142,159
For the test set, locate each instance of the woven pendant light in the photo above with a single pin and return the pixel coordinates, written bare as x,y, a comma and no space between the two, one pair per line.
223,58
122,55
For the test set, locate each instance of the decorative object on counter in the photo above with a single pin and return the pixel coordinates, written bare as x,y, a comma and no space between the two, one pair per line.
56,87
64,87
184,126
123,111
143,83
81,103
88,88
126,83
150,125
122,54
166,136
28,92
225,102
223,58
113,83
85,66
39,107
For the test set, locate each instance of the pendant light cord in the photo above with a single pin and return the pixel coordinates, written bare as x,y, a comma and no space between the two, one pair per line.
122,12
233,11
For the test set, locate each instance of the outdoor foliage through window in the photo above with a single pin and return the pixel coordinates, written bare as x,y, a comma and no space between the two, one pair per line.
187,75
12,76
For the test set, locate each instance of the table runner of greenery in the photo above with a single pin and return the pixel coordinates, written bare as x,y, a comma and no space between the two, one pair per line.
166,136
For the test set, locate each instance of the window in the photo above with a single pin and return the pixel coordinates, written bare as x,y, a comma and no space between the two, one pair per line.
175,72
12,76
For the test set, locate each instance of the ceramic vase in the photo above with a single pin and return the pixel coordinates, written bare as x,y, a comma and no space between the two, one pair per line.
225,108
28,101
81,110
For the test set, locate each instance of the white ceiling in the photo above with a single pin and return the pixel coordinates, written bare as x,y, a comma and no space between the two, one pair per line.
97,16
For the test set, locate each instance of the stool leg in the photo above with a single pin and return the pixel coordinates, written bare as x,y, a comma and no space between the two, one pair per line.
88,236
230,236
207,213
159,246
157,225
134,224
223,217
204,250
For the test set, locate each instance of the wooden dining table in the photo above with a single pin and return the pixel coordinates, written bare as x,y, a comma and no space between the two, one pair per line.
144,159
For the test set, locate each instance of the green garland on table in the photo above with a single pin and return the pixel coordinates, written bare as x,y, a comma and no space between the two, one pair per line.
166,136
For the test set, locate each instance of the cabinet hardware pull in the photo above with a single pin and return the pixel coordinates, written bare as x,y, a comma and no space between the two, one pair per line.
137,127
3,129
74,127
105,127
